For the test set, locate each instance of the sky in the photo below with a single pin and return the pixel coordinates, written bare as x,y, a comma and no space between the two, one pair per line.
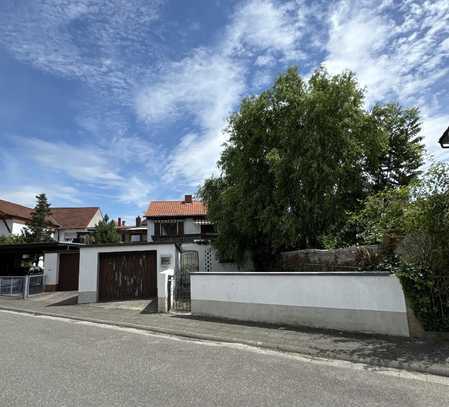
114,103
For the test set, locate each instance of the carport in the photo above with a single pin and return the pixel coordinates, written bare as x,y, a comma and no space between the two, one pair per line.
14,257
19,260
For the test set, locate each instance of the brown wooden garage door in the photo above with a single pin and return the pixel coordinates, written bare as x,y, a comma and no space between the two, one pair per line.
69,269
127,275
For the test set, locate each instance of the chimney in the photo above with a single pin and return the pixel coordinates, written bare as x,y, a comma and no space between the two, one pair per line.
187,198
119,222
138,221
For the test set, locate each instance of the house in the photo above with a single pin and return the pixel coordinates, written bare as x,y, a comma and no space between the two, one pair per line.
181,221
13,218
185,222
69,224
75,223
444,139
132,234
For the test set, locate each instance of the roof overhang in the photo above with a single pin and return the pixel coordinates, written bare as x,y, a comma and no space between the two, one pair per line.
37,248
444,139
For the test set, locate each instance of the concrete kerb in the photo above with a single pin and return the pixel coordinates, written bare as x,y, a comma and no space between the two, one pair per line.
256,344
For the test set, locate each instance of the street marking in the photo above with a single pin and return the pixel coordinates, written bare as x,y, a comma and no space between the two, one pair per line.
320,361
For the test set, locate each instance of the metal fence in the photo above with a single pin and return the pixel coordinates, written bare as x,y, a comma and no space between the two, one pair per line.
21,286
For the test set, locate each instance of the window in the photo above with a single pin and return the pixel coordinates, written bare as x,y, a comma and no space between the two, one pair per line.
174,228
135,238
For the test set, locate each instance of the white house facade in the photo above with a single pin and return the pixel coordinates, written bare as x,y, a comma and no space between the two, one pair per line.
75,223
185,223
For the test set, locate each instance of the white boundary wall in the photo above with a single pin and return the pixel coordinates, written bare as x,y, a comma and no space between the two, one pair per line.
361,301
89,267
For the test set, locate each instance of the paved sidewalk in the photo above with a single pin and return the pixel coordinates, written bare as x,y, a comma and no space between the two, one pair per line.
427,355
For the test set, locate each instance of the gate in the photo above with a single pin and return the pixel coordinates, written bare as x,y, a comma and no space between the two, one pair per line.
181,291
127,276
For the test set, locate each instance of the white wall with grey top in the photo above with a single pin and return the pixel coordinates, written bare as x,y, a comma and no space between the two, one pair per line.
360,301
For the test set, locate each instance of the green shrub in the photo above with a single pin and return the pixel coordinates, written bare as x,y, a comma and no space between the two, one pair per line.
418,218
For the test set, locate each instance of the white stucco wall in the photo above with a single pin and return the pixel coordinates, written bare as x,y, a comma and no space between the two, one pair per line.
89,256
14,225
95,219
51,267
207,251
369,302
3,229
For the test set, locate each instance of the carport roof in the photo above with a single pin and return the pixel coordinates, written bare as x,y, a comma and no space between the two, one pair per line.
133,244
30,248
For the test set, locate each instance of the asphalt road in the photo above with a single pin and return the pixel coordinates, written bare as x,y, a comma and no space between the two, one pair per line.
49,362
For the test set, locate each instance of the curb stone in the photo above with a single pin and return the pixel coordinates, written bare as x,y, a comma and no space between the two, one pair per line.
257,344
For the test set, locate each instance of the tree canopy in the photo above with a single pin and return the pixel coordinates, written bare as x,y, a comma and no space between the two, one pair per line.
300,157
106,232
38,229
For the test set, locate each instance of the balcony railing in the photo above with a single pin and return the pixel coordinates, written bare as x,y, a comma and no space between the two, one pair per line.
183,238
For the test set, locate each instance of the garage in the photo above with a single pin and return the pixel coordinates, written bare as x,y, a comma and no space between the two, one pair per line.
127,275
68,271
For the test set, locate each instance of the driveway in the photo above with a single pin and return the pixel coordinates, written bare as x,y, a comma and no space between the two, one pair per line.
53,362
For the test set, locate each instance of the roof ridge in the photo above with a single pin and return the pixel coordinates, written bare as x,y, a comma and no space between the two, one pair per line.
74,207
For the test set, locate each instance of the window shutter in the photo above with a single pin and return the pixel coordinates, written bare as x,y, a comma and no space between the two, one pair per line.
180,228
157,228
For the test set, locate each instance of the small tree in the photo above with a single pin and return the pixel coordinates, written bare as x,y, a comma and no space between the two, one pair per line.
106,232
38,229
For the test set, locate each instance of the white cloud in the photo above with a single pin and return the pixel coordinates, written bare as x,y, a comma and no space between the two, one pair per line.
26,195
83,163
102,43
207,85
391,57
432,129
118,170
402,58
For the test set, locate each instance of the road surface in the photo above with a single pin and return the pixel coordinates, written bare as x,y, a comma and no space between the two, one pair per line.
54,362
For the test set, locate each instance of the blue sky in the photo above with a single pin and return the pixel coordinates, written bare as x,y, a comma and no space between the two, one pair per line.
117,102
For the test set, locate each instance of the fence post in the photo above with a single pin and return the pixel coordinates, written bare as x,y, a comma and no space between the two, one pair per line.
26,287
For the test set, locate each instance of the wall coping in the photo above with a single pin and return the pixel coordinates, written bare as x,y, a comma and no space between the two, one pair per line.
298,273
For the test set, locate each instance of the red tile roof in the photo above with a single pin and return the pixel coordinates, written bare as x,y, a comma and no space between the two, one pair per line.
74,218
13,210
175,208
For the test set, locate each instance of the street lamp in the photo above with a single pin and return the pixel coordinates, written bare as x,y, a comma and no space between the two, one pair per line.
444,139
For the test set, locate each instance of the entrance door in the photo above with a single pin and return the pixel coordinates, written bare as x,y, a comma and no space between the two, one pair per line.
127,276
69,269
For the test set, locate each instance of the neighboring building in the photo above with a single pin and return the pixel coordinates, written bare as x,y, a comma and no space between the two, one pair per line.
186,223
13,218
132,234
75,223
444,139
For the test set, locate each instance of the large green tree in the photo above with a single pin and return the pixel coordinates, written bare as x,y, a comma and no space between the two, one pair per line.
38,228
300,157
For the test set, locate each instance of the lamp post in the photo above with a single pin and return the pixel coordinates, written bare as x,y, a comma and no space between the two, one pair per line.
444,139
